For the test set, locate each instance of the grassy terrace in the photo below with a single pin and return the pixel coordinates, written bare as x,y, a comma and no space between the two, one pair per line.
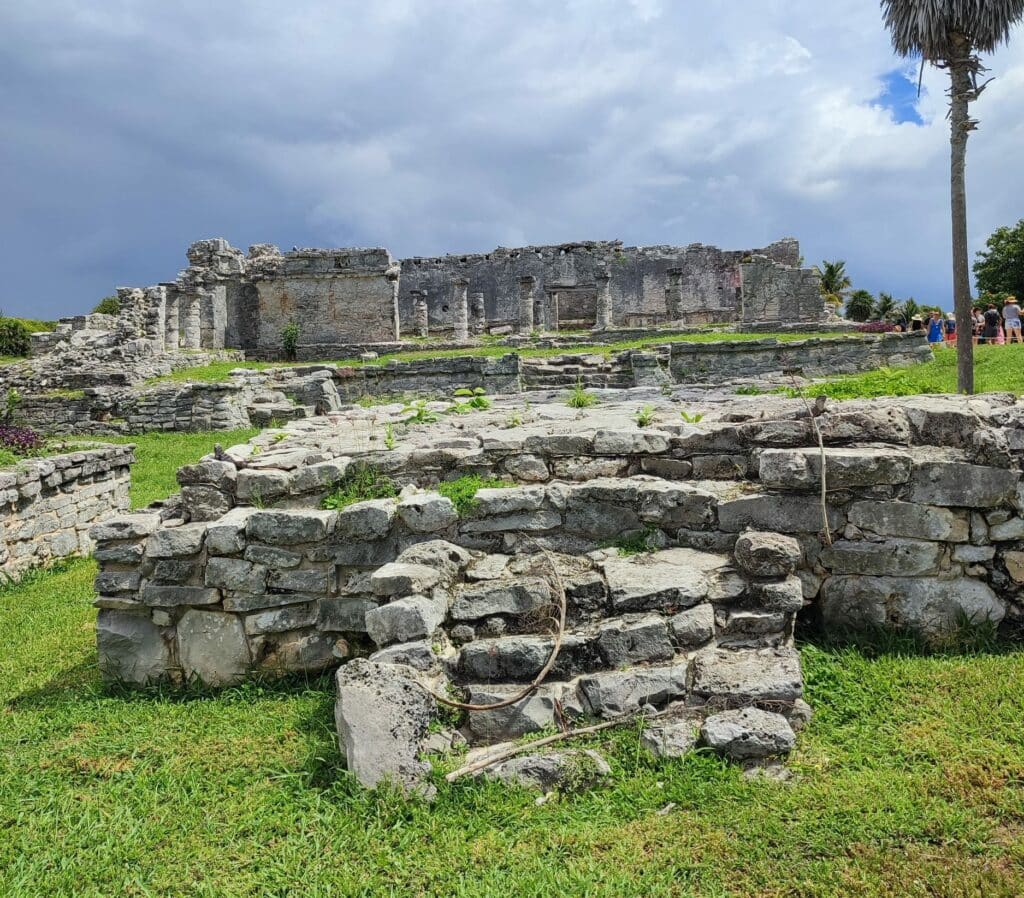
217,372
996,369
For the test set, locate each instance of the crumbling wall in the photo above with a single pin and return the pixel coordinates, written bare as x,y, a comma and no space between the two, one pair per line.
47,505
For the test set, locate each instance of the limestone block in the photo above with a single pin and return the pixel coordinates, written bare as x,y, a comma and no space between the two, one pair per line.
673,739
614,693
1013,529
647,583
1014,562
676,505
212,647
527,468
276,620
763,554
270,556
752,625
173,596
779,595
512,658
210,472
634,639
930,606
966,554
129,526
113,582
526,521
600,520
529,715
119,553
418,655
257,486
294,651
366,520
567,770
235,574
317,478
131,648
748,733
909,519
382,715
175,542
894,557
205,503
502,597
754,675
693,627
427,512
625,442
285,528
344,614
445,557
508,500
787,514
962,485
292,580
397,579
404,620
794,469
226,536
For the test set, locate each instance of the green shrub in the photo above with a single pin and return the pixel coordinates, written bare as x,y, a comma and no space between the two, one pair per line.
360,483
645,416
463,491
109,305
579,397
290,340
14,337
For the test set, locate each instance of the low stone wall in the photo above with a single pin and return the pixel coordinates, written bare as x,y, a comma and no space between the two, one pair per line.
922,529
817,357
47,505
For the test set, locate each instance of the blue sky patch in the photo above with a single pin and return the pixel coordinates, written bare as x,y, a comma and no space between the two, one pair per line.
899,96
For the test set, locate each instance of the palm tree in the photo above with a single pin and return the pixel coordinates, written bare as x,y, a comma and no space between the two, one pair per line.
949,34
885,307
834,281
860,306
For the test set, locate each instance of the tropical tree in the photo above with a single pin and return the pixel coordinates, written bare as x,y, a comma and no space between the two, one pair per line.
950,34
1000,267
835,282
910,308
860,306
885,307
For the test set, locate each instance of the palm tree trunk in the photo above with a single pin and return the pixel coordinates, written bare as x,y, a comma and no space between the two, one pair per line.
959,118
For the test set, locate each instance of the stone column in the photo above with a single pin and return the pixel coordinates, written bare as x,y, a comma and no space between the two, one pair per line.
478,313
213,313
552,316
191,321
156,311
460,309
674,295
604,301
394,274
172,321
422,313
527,285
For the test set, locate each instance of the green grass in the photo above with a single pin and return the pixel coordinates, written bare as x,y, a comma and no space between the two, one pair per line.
463,491
996,369
217,372
910,783
359,484
159,455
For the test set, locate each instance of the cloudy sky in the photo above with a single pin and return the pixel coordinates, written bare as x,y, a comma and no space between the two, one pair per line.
133,127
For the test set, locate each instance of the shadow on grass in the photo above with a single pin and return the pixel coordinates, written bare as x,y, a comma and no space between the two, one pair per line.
64,687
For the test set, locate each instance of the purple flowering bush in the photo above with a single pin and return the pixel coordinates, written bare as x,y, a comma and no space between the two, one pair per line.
23,441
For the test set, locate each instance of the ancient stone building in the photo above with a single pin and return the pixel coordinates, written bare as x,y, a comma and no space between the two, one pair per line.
341,298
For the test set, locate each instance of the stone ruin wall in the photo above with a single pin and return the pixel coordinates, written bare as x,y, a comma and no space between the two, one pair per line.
283,394
47,505
343,299
925,512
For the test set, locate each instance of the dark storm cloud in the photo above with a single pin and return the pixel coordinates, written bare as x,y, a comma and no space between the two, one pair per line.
457,125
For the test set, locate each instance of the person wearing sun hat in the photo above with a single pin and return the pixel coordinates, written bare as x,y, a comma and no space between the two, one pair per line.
1011,315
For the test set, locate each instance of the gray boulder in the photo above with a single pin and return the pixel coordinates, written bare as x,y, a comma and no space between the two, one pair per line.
427,512
568,771
131,648
212,647
406,619
767,554
634,639
748,733
382,715
672,739
403,579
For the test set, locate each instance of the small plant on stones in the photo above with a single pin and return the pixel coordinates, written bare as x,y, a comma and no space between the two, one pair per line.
639,542
290,340
472,400
11,402
689,418
645,416
515,419
463,491
579,397
389,436
419,413
360,483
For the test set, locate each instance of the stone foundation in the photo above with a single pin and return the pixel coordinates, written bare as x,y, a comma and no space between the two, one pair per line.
923,529
47,505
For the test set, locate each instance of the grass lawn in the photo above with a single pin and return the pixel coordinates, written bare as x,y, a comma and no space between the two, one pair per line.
159,455
219,371
996,369
910,783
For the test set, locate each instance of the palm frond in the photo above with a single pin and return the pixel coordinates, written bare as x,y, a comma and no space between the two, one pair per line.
925,27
